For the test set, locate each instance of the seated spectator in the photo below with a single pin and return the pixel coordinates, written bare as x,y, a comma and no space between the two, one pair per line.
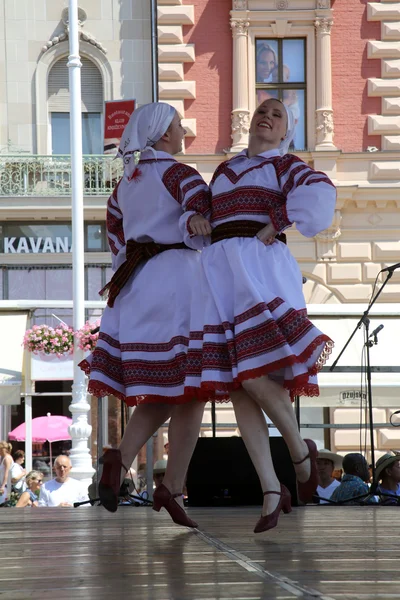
353,484
388,473
18,472
160,466
34,480
63,490
327,462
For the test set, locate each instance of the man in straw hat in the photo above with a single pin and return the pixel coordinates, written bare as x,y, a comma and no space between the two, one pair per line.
388,473
327,462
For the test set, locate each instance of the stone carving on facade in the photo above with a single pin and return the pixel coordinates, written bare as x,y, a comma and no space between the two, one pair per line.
241,122
239,26
281,4
323,25
239,5
85,36
240,129
327,239
324,126
323,3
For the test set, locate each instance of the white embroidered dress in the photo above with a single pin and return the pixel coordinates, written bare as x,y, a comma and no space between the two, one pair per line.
254,320
141,353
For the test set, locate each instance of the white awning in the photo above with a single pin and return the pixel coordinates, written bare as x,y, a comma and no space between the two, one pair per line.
386,355
12,330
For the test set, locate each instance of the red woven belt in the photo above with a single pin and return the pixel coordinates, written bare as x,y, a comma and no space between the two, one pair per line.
243,228
136,252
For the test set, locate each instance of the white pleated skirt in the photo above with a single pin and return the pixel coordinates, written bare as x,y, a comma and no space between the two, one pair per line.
142,351
253,321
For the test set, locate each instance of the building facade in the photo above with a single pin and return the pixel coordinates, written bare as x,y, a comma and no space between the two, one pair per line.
334,63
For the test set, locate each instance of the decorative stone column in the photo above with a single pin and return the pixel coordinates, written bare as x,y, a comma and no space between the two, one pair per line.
240,112
80,431
324,112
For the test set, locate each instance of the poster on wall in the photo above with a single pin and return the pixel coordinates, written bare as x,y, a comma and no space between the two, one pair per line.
116,116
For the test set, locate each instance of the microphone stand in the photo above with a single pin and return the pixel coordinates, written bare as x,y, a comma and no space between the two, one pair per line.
364,320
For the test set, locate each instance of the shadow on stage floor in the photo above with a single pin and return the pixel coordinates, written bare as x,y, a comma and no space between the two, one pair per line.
320,553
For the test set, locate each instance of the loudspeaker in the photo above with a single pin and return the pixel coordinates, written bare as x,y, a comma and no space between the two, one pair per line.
222,474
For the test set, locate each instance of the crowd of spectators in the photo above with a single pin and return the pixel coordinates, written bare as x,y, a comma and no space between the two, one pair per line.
356,485
342,480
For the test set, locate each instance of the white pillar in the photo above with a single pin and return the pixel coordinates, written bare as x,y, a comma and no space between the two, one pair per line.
324,112
80,429
240,104
28,434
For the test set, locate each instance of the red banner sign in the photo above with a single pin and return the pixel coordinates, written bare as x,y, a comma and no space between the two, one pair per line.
117,114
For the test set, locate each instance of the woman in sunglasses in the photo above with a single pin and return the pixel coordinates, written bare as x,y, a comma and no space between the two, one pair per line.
30,498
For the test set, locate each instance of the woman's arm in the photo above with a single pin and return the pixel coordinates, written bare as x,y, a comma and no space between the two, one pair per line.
310,197
7,460
24,500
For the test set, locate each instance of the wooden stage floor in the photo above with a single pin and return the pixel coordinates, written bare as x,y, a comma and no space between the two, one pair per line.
316,553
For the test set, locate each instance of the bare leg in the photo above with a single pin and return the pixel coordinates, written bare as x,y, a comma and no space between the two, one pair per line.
254,430
183,434
275,402
144,422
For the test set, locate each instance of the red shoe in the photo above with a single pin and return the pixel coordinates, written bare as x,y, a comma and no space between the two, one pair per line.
110,482
162,497
307,489
270,521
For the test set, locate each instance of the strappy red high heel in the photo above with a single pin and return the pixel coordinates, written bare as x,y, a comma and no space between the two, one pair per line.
270,521
162,497
307,489
110,482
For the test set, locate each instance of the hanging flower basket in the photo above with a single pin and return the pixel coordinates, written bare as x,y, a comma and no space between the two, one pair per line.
86,339
42,339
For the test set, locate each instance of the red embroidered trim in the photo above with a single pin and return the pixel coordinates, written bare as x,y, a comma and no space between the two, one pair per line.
174,177
297,386
85,366
100,389
247,200
225,169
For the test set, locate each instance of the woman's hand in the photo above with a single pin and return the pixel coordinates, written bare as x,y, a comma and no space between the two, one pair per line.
267,234
199,225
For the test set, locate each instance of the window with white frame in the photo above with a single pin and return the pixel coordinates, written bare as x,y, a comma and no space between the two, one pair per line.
280,72
59,107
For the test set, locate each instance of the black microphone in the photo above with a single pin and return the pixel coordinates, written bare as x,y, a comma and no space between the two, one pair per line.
392,268
376,331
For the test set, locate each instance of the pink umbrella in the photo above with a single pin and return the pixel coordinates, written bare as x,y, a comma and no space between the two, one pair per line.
52,428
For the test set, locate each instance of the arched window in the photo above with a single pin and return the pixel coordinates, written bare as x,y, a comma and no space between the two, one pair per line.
92,107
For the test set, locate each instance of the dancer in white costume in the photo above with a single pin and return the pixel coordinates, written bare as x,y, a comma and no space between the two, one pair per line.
254,340
144,335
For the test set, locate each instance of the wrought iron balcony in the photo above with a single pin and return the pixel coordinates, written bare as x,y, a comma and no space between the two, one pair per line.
35,175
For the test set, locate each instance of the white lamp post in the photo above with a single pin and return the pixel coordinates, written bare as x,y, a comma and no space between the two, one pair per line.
80,429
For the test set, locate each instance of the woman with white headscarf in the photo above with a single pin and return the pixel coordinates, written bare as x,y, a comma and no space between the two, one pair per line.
258,345
141,353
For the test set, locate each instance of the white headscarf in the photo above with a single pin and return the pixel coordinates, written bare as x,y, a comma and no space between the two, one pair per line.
290,131
145,127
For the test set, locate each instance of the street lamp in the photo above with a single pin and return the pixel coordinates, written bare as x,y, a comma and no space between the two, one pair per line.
80,429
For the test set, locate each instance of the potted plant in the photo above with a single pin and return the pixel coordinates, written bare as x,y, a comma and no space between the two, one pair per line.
42,339
87,339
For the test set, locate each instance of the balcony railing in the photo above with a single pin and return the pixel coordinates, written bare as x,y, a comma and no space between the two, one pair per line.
34,175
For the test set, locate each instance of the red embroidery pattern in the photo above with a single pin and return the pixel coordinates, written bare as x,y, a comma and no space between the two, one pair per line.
109,340
200,202
160,347
114,222
252,200
173,178
225,169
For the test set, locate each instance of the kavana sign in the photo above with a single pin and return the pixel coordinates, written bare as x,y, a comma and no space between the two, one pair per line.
38,245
